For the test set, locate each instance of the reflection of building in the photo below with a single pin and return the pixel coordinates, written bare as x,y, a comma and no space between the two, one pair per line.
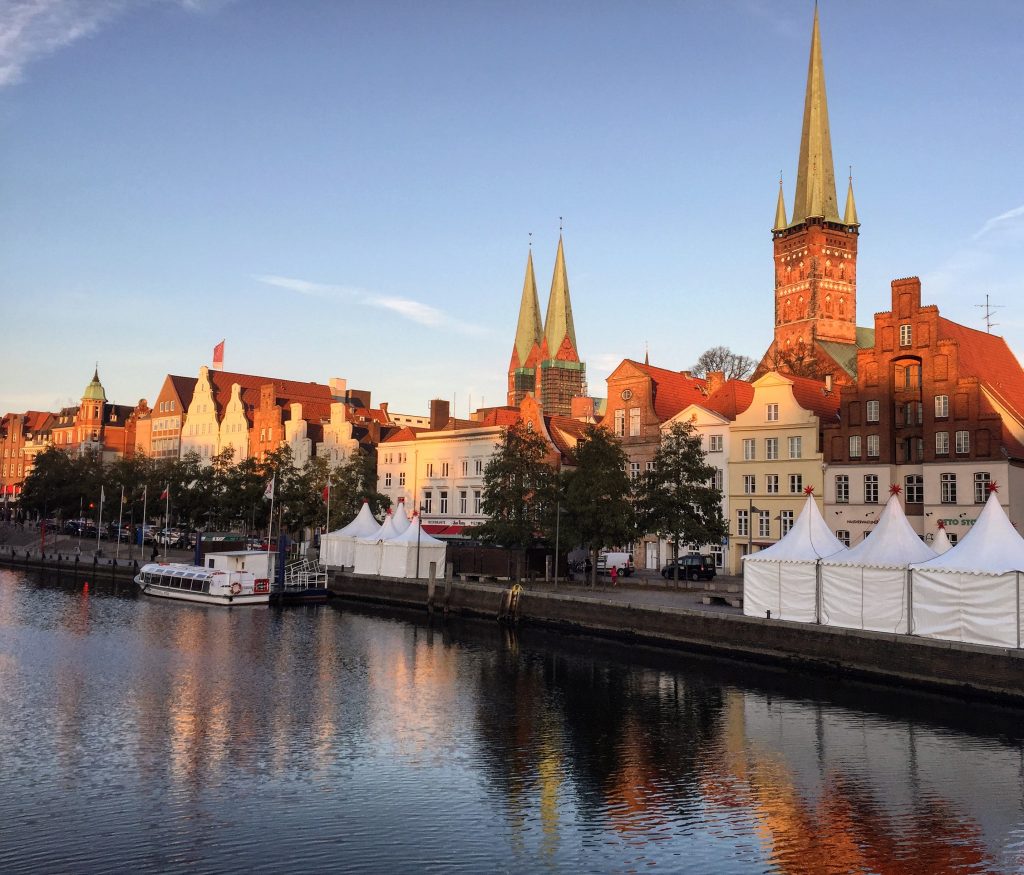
545,360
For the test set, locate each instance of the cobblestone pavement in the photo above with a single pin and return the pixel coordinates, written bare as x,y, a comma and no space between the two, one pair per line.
656,592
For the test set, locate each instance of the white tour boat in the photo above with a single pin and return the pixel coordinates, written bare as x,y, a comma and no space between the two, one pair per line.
212,586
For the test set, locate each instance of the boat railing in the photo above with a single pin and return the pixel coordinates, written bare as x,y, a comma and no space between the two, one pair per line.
304,575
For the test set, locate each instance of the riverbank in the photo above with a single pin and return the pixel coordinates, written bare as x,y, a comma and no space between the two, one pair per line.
664,616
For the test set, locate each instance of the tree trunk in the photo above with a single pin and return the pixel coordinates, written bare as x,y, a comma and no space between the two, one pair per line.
593,567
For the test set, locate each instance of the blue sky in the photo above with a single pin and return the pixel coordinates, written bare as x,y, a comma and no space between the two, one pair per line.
347,188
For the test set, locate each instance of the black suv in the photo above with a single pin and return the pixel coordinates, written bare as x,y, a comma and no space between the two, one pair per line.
691,567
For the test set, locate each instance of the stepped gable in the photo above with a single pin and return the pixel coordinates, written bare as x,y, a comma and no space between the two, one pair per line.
315,398
673,390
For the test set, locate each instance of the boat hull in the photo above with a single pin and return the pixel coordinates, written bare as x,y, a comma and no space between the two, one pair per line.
202,597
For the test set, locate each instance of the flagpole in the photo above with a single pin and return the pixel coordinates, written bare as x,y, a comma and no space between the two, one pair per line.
142,538
167,518
270,524
99,521
327,527
120,516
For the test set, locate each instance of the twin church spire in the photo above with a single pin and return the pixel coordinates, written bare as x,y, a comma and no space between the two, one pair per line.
545,361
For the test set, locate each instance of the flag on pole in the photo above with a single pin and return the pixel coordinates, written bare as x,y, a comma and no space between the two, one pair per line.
166,492
326,494
218,357
268,493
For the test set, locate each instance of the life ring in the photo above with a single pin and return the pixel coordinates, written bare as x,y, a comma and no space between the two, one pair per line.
236,588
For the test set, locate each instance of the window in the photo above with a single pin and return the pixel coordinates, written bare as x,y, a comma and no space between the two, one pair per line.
913,488
717,479
942,443
465,467
430,469
479,466
871,489
620,422
842,489
477,501
714,443
442,501
796,447
981,483
634,470
462,501
796,483
748,484
941,406
772,484
872,443
428,502
387,478
786,522
913,413
718,554
771,448
401,478
749,449
771,412
634,422
947,488
872,411
952,538
649,466
854,446
844,537
764,524
905,335
963,441
444,469
742,524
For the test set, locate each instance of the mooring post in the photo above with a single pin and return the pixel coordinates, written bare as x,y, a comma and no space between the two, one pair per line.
449,573
431,585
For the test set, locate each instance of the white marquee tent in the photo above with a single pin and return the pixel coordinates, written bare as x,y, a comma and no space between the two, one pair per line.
941,543
400,516
972,592
783,578
400,553
368,552
337,548
866,587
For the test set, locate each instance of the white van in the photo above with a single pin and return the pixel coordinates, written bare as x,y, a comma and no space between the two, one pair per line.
622,561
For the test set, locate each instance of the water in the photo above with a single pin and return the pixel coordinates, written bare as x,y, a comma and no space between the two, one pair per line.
150,736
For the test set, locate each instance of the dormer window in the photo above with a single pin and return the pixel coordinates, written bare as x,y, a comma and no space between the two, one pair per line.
905,335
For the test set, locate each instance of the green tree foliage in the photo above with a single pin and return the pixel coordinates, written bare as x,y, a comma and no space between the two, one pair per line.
519,491
598,495
677,498
352,483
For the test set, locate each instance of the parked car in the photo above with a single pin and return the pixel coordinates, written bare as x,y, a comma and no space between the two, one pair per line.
692,567
623,562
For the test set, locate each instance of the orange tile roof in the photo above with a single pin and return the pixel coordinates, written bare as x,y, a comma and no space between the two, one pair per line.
810,394
403,434
987,357
731,399
673,390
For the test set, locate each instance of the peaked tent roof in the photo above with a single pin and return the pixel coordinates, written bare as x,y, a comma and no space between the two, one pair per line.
808,541
413,535
992,546
941,542
363,526
400,517
893,543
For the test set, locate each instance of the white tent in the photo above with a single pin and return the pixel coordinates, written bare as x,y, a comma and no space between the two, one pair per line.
941,543
972,592
783,578
400,516
401,552
367,552
337,548
865,587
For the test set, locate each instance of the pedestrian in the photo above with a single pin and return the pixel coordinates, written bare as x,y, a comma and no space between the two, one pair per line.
154,554
614,575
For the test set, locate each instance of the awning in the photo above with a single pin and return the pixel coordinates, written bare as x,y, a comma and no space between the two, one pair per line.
440,531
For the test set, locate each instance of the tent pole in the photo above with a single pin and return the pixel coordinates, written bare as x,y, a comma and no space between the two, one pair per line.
817,592
910,601
1018,610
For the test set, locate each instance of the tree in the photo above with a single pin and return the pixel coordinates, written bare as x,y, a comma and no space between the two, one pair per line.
353,482
598,494
519,489
721,358
677,497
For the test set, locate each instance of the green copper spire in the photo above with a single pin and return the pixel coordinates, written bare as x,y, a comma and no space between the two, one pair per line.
558,323
94,391
815,178
529,330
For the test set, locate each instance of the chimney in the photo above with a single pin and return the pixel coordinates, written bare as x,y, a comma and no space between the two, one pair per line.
439,414
715,381
384,410
338,386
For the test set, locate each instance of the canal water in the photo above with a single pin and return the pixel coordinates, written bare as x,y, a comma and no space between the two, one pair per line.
142,735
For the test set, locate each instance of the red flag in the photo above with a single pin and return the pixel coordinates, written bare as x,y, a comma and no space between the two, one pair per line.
218,356
326,493
163,495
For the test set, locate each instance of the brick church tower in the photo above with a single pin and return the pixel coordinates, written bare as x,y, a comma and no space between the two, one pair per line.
815,254
546,362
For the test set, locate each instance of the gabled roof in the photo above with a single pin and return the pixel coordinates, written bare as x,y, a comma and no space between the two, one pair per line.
406,433
811,395
731,398
987,357
565,433
673,390
184,388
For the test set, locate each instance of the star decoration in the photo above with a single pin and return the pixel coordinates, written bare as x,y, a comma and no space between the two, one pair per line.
895,489
808,490
942,525
993,487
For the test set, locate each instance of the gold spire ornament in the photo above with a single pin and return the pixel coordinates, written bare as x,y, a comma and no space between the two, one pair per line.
850,216
815,178
780,210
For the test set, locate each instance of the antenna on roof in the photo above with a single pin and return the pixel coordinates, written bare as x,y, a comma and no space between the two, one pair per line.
988,308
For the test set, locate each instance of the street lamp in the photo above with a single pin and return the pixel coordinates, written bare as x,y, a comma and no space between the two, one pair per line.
750,528
419,530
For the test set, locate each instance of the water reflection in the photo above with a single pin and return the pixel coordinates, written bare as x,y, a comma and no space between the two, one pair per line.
194,737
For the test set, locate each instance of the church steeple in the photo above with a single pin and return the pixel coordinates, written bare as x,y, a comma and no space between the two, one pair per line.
529,332
815,178
558,323
850,216
780,211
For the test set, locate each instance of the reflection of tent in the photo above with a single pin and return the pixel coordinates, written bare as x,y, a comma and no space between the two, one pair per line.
865,587
972,592
783,579
336,548
367,552
400,517
941,542
400,553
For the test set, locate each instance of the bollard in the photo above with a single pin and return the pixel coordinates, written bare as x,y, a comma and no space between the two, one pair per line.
431,584
768,615
448,586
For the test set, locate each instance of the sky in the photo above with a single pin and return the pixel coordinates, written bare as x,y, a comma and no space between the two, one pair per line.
349,189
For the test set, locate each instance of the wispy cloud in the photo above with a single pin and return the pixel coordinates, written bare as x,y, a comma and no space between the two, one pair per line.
305,287
1003,220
